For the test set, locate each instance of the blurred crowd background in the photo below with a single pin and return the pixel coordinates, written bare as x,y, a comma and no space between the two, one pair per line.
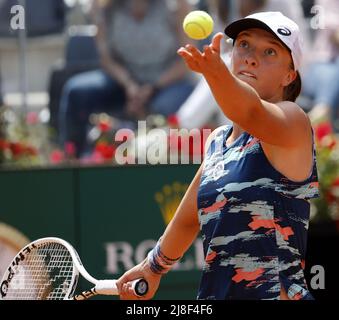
83,69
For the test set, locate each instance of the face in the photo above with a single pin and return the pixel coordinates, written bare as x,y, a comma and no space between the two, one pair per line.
260,60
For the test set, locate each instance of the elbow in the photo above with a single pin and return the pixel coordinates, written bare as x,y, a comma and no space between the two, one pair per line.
252,110
244,116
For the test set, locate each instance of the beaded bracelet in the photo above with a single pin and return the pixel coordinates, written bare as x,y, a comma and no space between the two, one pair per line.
158,262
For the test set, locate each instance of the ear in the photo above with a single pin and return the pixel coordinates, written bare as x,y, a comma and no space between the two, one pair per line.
289,78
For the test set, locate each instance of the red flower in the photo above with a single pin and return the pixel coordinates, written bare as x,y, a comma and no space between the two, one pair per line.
106,150
173,121
16,148
56,156
105,126
3,144
328,141
70,148
330,197
335,182
322,130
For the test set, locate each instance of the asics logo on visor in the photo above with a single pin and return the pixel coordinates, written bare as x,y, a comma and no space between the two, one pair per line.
284,31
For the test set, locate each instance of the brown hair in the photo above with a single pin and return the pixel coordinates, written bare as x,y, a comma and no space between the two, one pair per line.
292,91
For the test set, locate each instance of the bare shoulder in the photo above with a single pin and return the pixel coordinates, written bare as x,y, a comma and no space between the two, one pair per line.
297,124
295,111
293,160
293,125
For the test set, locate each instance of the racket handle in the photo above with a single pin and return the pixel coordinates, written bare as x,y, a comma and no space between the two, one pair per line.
140,287
109,287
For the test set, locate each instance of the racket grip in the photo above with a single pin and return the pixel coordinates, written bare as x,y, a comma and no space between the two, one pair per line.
140,287
109,287
106,287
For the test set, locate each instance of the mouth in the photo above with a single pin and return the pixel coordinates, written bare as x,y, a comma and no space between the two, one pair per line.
247,74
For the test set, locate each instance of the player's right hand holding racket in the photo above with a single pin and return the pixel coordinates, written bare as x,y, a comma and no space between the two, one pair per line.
141,270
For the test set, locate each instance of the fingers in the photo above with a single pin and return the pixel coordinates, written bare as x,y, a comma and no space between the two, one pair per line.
125,285
216,42
203,61
189,60
121,281
196,54
208,52
127,292
184,53
190,52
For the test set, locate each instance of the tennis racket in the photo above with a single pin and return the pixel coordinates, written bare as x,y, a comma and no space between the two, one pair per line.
48,269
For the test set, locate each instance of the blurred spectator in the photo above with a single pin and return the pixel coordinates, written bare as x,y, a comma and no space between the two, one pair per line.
321,79
141,72
200,109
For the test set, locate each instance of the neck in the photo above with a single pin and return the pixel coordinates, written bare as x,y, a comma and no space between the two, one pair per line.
278,97
237,130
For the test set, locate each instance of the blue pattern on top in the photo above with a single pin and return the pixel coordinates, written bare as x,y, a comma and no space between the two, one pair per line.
253,221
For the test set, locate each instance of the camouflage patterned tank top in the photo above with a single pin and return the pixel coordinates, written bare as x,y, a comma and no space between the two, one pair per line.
253,221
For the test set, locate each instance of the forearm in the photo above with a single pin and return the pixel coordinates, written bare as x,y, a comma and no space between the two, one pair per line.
236,98
112,67
177,239
116,71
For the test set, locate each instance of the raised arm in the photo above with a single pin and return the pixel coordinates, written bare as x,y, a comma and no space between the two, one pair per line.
281,124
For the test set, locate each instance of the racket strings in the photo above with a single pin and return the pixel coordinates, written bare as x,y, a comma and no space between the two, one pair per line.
46,273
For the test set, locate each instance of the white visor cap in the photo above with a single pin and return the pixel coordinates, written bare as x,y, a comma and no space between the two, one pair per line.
286,30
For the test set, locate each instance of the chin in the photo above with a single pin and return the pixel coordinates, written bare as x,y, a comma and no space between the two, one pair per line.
248,80
252,82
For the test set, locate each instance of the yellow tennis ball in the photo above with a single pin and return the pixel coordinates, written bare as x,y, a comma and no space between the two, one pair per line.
198,25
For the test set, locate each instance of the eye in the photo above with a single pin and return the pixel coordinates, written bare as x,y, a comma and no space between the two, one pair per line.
270,52
243,44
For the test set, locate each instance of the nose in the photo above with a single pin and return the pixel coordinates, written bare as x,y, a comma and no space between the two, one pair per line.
251,59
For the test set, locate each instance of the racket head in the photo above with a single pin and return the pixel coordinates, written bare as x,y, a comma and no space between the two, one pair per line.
45,269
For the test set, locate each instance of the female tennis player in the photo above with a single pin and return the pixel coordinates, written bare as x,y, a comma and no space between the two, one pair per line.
249,198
